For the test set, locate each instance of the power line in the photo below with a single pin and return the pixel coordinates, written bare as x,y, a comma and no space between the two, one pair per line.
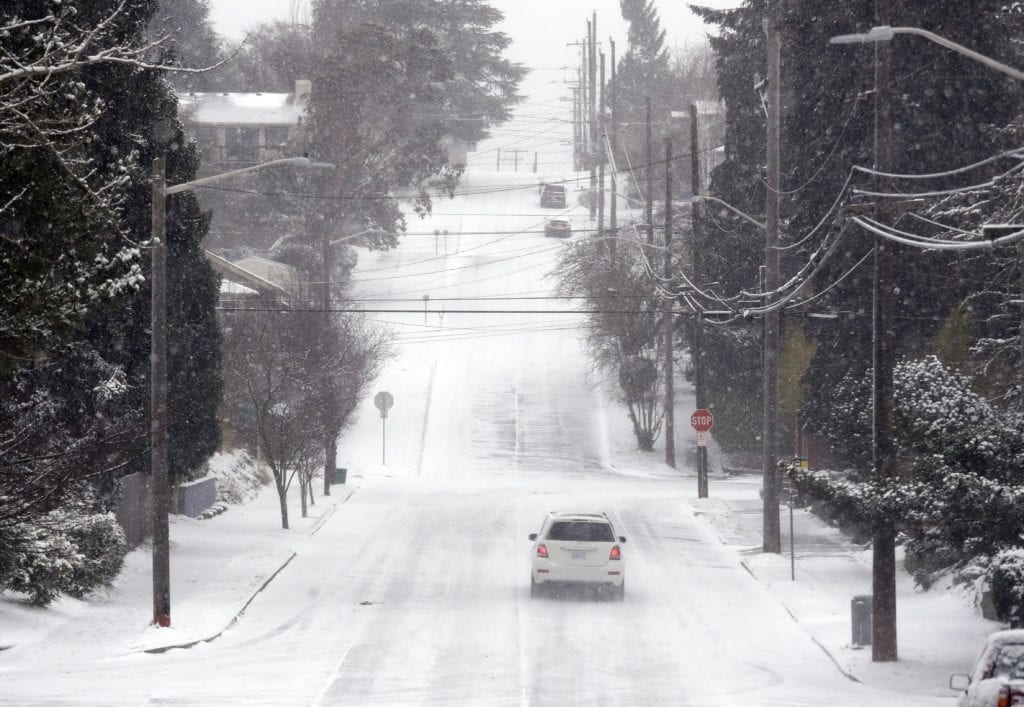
376,197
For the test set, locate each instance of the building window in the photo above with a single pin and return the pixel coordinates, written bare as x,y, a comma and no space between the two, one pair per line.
241,144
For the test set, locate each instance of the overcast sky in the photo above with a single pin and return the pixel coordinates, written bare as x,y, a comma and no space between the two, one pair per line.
233,17
541,32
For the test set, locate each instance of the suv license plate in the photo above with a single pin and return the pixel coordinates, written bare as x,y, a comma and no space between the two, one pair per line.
579,554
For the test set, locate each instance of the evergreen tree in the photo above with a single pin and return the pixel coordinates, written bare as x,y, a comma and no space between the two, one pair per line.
145,121
183,27
941,99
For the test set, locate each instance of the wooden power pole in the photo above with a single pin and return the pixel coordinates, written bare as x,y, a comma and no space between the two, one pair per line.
670,396
592,141
613,216
158,417
883,576
601,133
650,176
771,538
698,323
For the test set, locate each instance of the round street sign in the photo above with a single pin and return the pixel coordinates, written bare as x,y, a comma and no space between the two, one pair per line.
702,420
383,400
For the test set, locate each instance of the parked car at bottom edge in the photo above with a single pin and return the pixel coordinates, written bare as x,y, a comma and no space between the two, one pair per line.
578,549
997,679
557,228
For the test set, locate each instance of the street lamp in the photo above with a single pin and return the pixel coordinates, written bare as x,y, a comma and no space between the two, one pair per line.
885,33
158,371
349,237
697,198
883,454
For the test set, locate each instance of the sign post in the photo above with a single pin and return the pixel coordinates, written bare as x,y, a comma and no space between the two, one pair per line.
702,420
384,401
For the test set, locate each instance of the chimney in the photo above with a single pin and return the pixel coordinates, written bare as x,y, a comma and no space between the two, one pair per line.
303,87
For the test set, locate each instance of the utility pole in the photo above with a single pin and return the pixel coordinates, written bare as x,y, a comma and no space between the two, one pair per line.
613,218
576,128
670,396
602,134
515,158
1020,334
698,322
650,176
498,165
331,440
771,537
585,101
592,25
158,418
883,565
535,162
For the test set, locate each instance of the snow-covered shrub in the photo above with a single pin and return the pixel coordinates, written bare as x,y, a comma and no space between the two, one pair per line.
102,547
1006,579
64,554
38,563
238,480
959,493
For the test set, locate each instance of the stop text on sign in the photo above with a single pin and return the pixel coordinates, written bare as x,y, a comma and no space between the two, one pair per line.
702,420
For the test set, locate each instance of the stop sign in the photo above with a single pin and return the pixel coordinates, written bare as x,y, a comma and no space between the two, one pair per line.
702,420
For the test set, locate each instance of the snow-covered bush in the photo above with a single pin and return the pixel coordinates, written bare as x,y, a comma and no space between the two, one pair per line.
102,547
63,554
39,563
959,495
1006,579
238,480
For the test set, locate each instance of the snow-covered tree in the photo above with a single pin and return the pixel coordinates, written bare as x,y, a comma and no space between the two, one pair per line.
287,376
624,326
961,485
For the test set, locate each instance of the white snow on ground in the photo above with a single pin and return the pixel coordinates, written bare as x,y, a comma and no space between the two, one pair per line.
410,584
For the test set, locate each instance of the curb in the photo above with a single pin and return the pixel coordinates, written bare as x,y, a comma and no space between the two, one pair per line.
189,644
326,516
848,675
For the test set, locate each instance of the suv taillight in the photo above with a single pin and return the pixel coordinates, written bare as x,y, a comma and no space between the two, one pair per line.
542,551
615,554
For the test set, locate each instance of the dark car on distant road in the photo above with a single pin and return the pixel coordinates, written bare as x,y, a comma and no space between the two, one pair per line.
552,196
557,228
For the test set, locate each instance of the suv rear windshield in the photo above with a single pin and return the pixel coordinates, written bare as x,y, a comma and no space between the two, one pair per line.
581,530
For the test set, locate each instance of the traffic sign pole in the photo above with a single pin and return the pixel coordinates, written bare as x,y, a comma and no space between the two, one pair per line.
384,401
702,420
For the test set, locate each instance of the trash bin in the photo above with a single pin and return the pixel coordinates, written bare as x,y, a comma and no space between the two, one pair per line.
860,611
339,475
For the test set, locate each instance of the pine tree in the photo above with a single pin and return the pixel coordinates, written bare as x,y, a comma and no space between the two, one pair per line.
145,120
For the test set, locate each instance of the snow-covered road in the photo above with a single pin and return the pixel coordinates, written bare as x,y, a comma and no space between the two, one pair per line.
416,591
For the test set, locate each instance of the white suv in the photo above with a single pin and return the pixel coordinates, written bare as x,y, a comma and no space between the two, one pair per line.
578,548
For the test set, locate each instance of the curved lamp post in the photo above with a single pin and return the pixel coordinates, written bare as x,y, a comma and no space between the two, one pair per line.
886,33
883,568
696,198
160,493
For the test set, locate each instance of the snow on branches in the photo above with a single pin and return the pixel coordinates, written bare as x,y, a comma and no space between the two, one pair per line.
960,490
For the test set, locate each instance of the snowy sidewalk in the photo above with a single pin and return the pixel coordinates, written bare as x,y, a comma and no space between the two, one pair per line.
829,571
218,566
